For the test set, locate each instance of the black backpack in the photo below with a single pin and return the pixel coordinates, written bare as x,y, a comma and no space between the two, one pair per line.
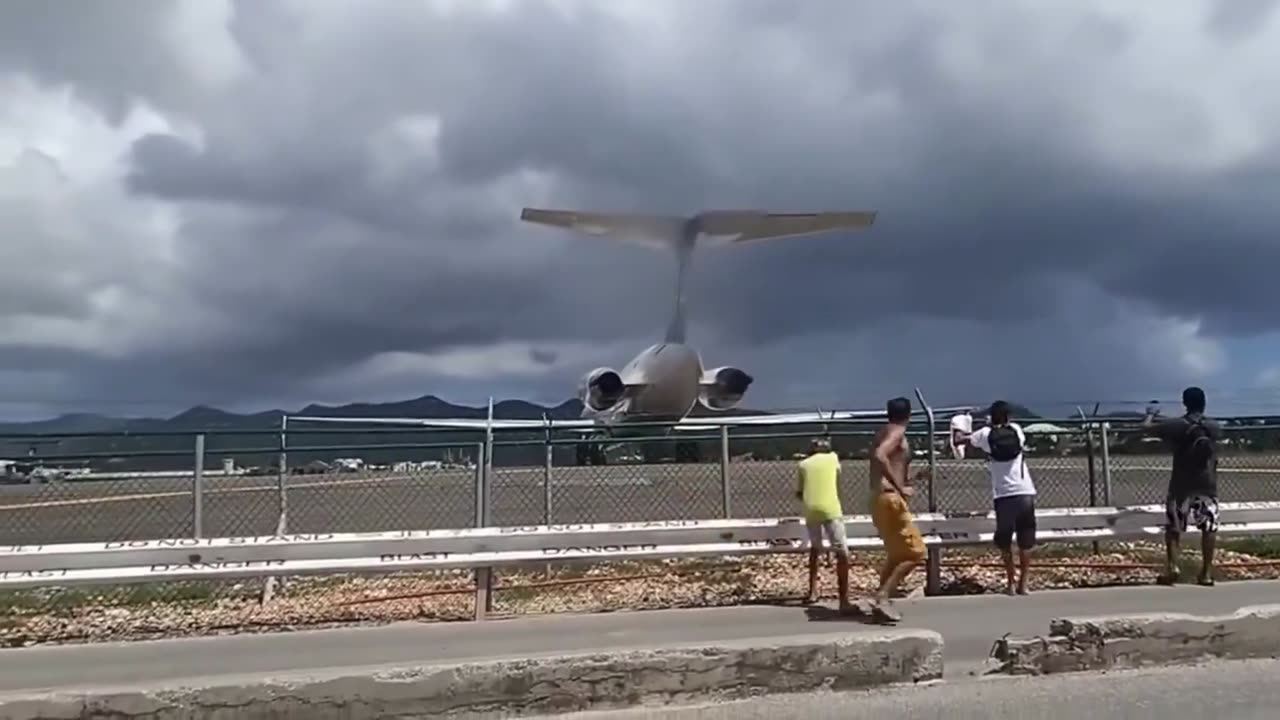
1197,443
1005,443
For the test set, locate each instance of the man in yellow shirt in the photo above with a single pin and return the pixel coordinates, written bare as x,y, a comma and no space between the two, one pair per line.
818,477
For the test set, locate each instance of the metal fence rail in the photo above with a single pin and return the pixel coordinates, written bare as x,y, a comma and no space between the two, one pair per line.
302,554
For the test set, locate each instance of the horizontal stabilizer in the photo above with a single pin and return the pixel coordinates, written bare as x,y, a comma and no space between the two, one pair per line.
734,226
715,226
657,230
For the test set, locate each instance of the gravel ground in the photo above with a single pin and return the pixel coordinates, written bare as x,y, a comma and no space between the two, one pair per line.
186,609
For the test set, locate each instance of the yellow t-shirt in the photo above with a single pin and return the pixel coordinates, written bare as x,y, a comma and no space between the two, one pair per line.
820,474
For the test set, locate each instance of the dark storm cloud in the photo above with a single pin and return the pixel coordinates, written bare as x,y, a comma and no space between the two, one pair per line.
1234,19
983,182
324,231
109,53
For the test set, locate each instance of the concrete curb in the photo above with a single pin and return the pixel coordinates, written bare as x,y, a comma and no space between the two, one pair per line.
538,685
1130,641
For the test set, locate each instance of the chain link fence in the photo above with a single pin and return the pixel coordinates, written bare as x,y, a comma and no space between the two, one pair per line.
1065,472
742,473
266,487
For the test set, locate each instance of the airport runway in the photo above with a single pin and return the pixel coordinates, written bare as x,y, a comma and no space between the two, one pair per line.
144,508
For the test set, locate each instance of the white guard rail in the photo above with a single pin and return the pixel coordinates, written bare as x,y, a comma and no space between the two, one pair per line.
309,554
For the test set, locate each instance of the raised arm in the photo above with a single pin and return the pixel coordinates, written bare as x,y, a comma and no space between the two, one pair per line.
1167,429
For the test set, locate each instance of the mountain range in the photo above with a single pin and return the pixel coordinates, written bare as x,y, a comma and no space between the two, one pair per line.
203,417
254,437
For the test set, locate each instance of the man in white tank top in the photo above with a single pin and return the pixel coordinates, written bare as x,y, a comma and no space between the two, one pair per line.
961,423
1013,492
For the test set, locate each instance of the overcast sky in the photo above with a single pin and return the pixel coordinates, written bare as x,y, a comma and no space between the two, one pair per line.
265,203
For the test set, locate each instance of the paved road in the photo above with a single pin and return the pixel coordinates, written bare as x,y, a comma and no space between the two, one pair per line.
1243,690
969,626
145,508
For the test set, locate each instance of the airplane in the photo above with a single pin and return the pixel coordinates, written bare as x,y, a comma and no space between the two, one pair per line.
667,380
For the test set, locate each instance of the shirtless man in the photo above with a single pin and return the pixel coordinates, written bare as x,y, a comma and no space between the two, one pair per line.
890,491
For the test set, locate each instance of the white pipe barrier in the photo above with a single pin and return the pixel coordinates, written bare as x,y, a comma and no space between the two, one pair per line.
24,566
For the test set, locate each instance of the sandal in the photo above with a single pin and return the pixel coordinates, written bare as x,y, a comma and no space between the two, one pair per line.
855,609
883,612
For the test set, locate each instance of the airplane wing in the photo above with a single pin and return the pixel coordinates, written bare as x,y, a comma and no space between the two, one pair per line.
580,425
587,424
452,423
713,423
655,230
813,418
734,226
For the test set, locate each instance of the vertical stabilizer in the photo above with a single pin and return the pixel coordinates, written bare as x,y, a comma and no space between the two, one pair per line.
677,329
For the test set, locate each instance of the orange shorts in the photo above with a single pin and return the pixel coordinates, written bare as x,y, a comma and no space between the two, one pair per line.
901,537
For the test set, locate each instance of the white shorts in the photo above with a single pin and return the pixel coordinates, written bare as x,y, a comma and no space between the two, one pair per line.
833,529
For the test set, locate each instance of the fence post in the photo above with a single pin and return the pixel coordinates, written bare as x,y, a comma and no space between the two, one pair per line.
282,477
547,470
724,472
1106,464
933,565
1088,444
483,601
197,489
487,479
1093,475
282,503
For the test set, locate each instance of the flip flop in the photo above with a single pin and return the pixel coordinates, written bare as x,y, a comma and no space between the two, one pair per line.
857,608
884,614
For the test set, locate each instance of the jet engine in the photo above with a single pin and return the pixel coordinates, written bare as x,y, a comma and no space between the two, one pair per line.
726,389
601,389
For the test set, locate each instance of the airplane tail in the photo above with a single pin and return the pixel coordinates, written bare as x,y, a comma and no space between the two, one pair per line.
683,234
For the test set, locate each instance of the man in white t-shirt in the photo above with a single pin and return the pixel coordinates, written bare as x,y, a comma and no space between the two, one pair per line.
1011,488
961,423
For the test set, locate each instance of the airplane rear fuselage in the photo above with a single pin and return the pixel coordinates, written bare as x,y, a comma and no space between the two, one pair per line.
666,377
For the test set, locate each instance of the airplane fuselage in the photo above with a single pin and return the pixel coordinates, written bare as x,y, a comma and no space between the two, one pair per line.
665,378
